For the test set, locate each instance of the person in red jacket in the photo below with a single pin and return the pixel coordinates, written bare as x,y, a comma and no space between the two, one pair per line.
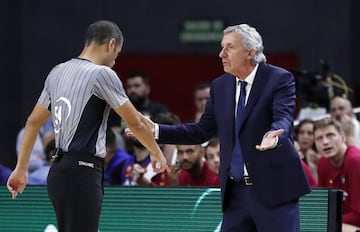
310,177
191,170
308,172
195,170
339,167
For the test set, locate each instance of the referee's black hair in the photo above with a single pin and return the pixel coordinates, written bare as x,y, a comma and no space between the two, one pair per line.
102,31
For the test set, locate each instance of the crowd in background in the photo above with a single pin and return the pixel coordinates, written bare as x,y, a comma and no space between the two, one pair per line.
328,149
127,160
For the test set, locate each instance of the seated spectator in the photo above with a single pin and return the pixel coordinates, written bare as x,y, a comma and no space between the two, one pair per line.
39,176
138,166
193,168
115,161
4,174
38,156
201,94
147,176
304,135
169,150
138,90
341,107
339,167
308,173
212,154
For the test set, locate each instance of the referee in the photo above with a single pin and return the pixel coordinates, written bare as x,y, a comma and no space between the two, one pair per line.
78,94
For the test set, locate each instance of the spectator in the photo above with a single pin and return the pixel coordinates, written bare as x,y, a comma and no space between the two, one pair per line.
212,154
146,176
39,176
138,91
4,174
137,165
310,177
115,161
339,166
193,168
304,135
169,150
201,94
138,172
38,157
341,109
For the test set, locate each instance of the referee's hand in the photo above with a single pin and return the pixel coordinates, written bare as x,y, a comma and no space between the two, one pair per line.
158,163
17,182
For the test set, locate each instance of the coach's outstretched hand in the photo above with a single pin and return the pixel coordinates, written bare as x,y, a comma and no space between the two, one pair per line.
270,140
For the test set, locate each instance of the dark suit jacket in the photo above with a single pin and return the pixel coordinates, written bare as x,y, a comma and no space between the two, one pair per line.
277,174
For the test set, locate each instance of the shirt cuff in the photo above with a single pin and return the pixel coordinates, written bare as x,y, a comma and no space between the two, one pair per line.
276,142
276,139
156,131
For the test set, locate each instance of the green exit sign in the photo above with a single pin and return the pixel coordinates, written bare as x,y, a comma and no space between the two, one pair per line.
201,31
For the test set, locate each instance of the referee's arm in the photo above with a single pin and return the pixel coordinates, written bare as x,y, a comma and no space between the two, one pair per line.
143,133
18,178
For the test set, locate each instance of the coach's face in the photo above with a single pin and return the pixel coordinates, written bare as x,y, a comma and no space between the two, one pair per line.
235,59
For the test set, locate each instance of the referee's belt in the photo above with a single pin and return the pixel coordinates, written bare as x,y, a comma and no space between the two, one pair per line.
245,180
82,158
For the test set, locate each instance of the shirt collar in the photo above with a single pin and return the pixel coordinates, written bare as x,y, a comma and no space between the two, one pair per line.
250,78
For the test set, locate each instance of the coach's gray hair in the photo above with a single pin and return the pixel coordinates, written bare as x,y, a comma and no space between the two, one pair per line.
250,39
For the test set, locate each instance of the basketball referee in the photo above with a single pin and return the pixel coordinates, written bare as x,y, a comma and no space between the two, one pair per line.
78,94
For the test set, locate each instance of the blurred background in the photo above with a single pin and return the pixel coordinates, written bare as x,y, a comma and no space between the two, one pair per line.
176,43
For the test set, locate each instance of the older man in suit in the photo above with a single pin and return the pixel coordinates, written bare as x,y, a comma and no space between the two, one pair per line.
251,110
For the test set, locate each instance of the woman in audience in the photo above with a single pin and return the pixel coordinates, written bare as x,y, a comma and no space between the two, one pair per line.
304,135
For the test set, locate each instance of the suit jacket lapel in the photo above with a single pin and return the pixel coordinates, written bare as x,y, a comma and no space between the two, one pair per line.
229,100
256,90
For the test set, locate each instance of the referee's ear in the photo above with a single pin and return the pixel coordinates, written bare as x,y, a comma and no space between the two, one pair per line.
111,45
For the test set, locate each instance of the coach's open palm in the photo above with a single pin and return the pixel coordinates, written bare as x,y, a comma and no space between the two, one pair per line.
269,140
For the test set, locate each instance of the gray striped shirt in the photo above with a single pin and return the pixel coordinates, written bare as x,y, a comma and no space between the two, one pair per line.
79,95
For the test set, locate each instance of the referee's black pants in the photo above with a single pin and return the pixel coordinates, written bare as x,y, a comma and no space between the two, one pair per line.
75,188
